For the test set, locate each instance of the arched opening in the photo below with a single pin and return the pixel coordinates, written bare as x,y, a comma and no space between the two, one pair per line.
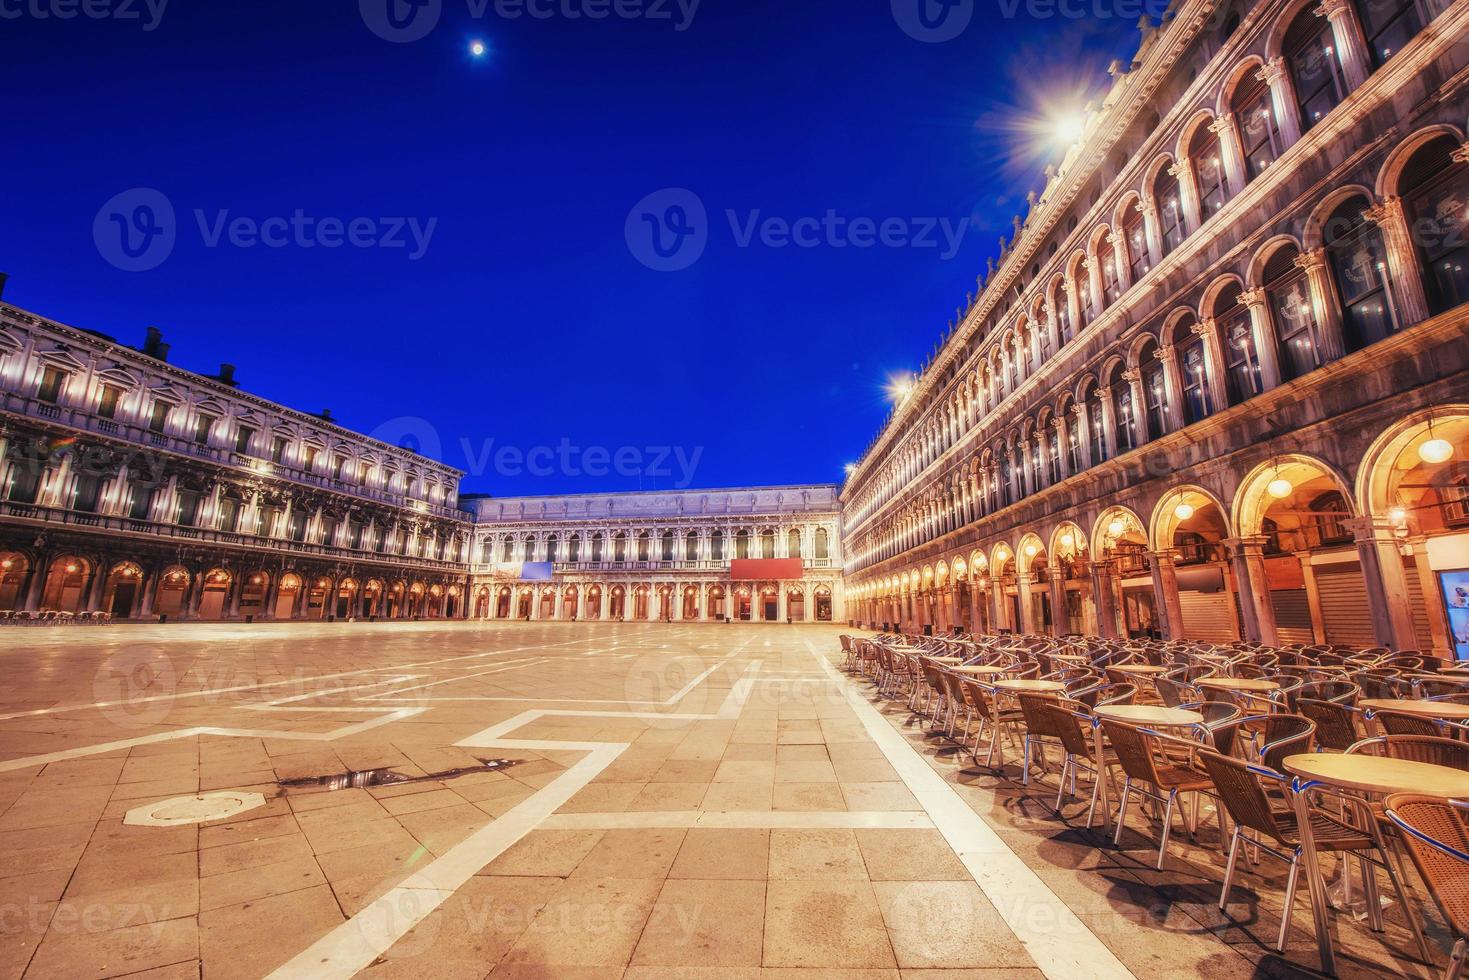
1167,200
213,601
1208,167
346,595
285,602
1237,334
482,603
795,604
1314,69
1036,605
822,604
689,603
823,546
716,607
372,598
1289,298
1434,186
1126,602
1416,476
1307,565
66,583
1190,526
173,586
503,601
1005,590
546,608
121,594
1359,267
1259,130
570,602
1069,548
14,574
1193,368
1388,25
617,609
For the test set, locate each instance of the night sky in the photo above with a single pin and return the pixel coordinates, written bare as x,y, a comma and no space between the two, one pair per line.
453,248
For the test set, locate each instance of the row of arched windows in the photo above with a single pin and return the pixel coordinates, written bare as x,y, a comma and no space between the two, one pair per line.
645,546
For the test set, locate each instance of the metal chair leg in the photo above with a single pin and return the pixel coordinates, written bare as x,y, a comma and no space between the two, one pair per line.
1122,811
1290,901
1229,870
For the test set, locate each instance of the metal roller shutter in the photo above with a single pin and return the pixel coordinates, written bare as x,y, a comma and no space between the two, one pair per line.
1345,612
1292,615
1419,606
1208,616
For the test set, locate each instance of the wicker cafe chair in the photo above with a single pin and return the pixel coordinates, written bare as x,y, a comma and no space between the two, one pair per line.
992,717
1336,723
1277,832
1402,723
1437,835
1135,749
1431,749
1074,726
1040,728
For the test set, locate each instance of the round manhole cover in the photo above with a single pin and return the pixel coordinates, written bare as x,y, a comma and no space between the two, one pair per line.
193,809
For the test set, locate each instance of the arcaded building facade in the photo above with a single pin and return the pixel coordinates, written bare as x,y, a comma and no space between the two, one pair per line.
1215,387
754,554
133,488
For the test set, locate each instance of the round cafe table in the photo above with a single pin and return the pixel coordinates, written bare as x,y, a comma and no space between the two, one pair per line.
1150,715
948,661
1030,687
1143,670
979,670
1252,685
1439,710
1367,774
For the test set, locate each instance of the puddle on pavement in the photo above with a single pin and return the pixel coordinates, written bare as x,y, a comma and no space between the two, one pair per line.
386,777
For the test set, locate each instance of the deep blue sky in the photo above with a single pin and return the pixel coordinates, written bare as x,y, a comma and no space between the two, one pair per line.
528,319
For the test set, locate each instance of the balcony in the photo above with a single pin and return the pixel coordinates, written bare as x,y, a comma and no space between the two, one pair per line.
76,418
53,516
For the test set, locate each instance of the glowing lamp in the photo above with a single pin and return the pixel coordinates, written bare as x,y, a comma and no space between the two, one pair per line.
1435,451
1068,540
1183,511
71,567
1397,515
1031,550
7,564
1280,488
1002,553
1116,527
477,49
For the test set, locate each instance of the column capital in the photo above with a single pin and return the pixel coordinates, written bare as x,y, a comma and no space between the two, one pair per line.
1254,297
1205,328
1247,544
1390,207
1314,258
1132,376
1178,169
1146,208
1068,285
1221,123
1104,392
1460,154
1372,528
1164,556
1164,352
1332,9
1273,72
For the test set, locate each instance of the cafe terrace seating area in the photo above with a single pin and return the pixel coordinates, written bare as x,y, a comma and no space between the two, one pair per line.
1323,789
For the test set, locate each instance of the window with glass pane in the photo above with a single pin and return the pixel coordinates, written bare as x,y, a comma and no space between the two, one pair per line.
1243,366
1388,25
1062,306
1295,321
1359,265
645,551
668,546
1098,426
1073,443
1154,392
1436,190
1107,256
716,546
1170,210
1134,230
1192,363
691,547
1122,410
159,418
1053,448
1007,477
1209,171
1037,471
1088,308
529,554
1254,113
1313,67
507,550
107,407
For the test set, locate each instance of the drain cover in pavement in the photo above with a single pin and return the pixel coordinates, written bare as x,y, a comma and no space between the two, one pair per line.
193,809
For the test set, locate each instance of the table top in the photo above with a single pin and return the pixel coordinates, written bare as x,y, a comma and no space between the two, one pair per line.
1145,669
947,660
1149,714
1238,684
1447,710
1373,774
1028,687
979,670
1460,679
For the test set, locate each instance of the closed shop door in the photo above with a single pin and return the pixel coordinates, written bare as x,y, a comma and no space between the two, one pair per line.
1208,616
1292,615
1419,606
1344,610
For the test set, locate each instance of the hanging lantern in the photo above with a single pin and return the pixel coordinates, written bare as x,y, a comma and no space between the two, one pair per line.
1280,488
1184,511
1117,526
1435,451
1068,540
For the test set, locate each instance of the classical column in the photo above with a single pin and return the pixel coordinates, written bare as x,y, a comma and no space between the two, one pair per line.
976,624
1214,363
1327,310
1134,379
1058,602
1059,424
1433,598
1188,192
1093,267
1172,386
1231,151
1283,98
1351,46
1248,556
1027,608
1391,219
1387,583
1106,600
1165,592
1152,230
606,601
1082,414
1267,349
1120,260
1073,308
1313,596
1109,420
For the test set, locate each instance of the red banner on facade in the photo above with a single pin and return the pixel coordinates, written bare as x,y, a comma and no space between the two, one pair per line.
758,568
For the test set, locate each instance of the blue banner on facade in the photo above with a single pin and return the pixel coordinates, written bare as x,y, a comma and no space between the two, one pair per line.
535,571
